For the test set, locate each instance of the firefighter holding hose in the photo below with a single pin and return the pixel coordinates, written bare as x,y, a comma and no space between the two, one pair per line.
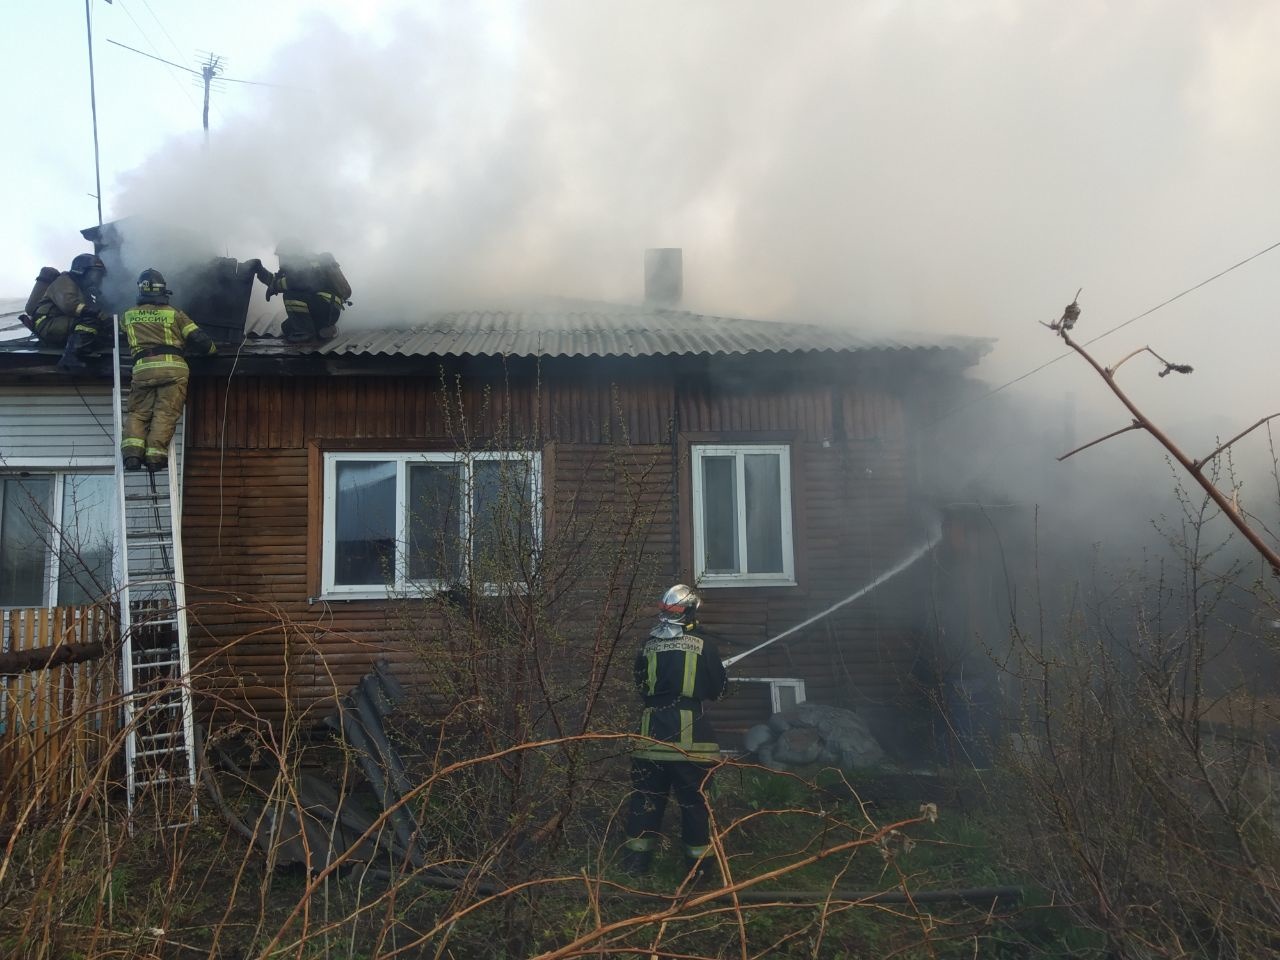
676,670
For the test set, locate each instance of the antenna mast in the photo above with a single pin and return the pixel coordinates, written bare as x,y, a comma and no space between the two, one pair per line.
209,71
93,106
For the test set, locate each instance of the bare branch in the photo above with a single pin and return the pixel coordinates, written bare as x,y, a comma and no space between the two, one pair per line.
1205,459
1114,433
1169,366
1192,467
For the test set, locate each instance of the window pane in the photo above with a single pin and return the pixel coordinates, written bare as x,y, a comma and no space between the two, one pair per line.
365,522
502,522
786,696
24,533
719,515
435,522
762,472
84,560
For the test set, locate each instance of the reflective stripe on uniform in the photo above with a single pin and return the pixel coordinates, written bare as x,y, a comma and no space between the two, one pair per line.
692,851
694,753
690,673
686,748
652,681
177,364
641,844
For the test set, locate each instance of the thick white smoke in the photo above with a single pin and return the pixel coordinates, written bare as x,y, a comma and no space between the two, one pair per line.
960,168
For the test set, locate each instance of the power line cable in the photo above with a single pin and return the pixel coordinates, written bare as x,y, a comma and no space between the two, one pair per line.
151,56
173,43
1106,333
147,38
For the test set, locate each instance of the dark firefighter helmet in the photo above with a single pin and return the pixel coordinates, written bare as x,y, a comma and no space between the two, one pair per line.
679,605
84,262
151,287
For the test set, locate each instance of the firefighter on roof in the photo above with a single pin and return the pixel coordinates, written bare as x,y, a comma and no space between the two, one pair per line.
157,334
314,289
675,671
63,309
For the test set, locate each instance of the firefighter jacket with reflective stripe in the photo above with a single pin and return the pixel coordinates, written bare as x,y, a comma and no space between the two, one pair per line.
319,275
157,334
62,297
675,671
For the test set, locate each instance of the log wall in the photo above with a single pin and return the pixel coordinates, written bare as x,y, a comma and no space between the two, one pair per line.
263,639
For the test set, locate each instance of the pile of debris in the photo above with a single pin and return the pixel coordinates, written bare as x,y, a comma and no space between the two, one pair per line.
296,817
809,733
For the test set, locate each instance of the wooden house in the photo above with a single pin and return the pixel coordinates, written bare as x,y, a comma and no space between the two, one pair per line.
779,466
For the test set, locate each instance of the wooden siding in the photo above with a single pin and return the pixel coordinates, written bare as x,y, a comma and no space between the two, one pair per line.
252,493
40,423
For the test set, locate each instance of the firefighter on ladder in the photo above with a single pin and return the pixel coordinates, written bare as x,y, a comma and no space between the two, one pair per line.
157,334
675,671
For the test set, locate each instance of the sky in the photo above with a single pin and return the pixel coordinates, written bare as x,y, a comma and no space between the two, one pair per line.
947,167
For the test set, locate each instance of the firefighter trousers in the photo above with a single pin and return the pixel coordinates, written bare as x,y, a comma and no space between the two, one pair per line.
310,316
652,781
156,399
53,329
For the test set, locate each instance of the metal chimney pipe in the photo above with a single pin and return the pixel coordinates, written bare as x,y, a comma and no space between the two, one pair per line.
663,276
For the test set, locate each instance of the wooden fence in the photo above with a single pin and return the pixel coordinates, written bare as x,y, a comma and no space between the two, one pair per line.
57,723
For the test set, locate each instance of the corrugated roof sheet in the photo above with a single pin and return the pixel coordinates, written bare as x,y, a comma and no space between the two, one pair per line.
601,330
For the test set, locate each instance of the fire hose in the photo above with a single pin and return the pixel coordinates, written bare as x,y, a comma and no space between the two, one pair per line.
888,575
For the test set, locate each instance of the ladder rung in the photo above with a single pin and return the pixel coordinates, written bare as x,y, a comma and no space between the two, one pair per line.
155,664
162,781
159,751
158,495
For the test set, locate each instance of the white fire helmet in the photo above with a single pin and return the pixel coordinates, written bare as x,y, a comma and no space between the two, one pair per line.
679,605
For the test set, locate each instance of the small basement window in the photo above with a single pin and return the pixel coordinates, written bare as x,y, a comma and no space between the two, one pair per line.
422,522
784,692
742,515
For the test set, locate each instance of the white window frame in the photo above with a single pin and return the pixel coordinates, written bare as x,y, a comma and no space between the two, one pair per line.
59,470
776,686
787,578
403,586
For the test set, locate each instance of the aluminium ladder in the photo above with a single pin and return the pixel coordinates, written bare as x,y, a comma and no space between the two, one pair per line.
155,666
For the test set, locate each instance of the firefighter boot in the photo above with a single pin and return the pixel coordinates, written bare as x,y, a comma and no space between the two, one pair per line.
155,462
637,862
132,463
700,871
74,353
